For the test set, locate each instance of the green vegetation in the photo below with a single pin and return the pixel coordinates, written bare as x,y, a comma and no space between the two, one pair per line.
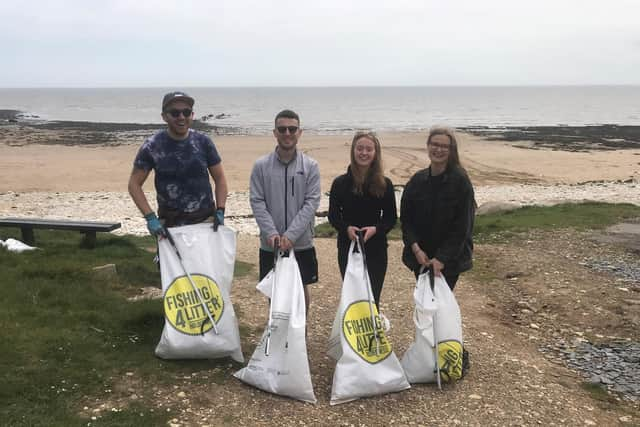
581,216
69,335
598,392
326,230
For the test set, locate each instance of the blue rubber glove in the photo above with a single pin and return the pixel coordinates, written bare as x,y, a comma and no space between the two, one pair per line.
218,218
154,226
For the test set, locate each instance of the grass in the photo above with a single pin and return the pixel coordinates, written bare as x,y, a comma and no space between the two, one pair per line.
579,216
69,335
327,231
497,226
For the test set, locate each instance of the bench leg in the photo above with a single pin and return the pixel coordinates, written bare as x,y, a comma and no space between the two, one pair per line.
27,235
89,240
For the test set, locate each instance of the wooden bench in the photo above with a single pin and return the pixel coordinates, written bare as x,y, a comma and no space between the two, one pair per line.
88,228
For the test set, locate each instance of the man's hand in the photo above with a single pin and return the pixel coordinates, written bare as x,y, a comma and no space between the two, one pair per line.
218,218
369,232
154,226
274,241
285,243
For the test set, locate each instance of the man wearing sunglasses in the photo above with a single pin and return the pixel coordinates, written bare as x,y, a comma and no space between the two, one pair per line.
284,196
182,160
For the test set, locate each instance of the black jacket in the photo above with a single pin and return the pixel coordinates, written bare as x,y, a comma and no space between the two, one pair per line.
347,208
440,222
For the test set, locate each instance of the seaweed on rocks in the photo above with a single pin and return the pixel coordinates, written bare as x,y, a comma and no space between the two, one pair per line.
568,138
68,132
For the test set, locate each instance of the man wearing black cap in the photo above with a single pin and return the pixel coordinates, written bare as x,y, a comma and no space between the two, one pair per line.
182,160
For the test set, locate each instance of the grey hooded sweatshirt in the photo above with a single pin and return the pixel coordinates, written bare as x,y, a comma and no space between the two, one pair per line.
284,198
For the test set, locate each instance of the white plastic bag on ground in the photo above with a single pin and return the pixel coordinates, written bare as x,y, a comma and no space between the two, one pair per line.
366,366
284,369
437,319
209,258
14,245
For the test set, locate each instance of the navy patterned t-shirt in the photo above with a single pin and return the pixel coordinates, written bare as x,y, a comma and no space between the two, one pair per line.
181,170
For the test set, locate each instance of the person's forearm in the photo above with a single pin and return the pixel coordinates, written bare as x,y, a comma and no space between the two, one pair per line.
307,212
259,205
221,193
139,198
300,222
304,217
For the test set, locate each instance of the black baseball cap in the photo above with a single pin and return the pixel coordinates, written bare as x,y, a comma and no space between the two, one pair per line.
177,96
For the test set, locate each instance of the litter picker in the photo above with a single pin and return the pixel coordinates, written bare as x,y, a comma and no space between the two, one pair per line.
360,235
435,338
193,285
276,255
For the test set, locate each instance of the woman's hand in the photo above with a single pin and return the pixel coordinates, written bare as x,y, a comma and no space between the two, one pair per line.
351,232
420,255
437,266
369,232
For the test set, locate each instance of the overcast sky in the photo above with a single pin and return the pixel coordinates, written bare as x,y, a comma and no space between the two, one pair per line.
80,43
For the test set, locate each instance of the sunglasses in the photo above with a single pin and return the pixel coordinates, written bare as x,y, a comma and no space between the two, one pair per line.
283,129
176,113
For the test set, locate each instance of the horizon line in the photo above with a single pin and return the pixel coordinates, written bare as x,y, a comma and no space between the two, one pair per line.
333,86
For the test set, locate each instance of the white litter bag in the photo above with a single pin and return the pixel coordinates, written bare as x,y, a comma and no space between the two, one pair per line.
437,320
14,245
208,258
367,365
279,363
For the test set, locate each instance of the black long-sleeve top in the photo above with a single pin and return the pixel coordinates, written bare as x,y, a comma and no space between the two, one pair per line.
438,214
346,208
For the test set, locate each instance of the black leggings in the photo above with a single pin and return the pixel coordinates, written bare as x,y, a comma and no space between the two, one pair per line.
376,265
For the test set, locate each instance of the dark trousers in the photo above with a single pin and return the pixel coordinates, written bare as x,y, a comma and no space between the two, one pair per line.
376,265
451,279
307,264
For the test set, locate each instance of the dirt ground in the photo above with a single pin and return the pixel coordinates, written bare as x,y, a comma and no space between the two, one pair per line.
522,295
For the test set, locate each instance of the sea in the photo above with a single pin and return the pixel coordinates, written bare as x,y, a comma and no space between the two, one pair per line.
341,110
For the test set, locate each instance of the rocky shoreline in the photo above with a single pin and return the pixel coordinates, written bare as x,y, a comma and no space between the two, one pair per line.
567,138
67,132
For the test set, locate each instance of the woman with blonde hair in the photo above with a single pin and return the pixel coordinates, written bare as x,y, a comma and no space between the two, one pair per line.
437,211
363,200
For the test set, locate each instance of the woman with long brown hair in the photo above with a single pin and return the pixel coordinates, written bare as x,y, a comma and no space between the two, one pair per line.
437,211
363,200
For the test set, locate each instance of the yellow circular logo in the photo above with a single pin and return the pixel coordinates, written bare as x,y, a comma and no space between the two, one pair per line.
358,329
184,310
450,360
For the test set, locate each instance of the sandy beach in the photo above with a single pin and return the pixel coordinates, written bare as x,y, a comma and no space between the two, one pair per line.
65,168
89,182
72,180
